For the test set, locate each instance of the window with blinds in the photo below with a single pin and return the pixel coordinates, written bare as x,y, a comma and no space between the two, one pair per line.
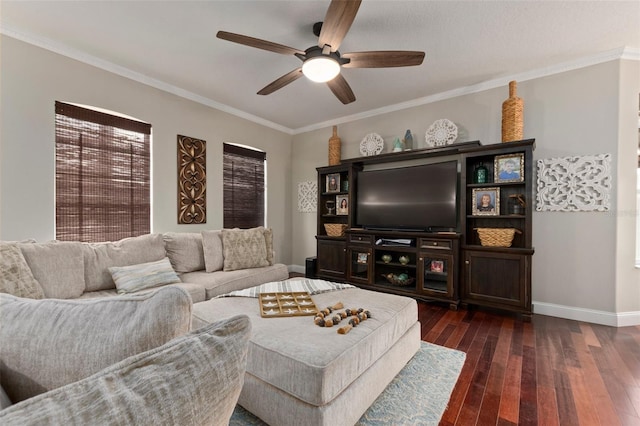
244,187
102,175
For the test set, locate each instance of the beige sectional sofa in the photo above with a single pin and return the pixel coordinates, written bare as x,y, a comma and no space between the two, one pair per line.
74,270
71,354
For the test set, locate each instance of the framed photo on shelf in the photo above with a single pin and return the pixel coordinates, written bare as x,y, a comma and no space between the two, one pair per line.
333,182
486,202
363,258
437,266
508,168
342,204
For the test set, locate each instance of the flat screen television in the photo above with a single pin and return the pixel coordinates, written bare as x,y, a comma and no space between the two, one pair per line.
418,198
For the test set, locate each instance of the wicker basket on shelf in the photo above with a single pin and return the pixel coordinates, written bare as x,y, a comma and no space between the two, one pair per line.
497,237
335,229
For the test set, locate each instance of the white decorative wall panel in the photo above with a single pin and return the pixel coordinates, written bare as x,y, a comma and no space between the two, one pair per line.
307,196
581,183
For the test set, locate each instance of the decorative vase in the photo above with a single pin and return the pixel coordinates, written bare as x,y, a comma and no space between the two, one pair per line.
512,115
403,259
386,258
480,174
334,148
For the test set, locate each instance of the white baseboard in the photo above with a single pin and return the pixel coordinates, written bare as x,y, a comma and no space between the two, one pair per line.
296,268
620,319
613,319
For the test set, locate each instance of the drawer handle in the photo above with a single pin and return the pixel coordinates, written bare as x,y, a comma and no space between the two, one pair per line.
435,244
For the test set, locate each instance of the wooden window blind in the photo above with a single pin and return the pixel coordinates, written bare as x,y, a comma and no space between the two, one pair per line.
102,175
244,187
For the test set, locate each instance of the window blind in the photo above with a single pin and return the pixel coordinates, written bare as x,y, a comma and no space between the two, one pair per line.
102,175
244,188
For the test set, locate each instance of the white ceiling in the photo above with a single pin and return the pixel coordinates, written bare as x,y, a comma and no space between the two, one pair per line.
172,45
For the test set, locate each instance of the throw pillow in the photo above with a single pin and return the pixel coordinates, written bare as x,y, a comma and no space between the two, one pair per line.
184,250
212,246
49,343
193,380
244,248
130,279
15,275
57,266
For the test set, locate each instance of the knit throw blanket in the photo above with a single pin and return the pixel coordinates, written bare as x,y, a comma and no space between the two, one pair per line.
295,285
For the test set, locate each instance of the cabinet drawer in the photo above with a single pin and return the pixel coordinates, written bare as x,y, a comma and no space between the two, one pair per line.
432,243
360,239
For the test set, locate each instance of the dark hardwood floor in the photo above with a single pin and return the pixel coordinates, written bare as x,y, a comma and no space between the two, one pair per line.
549,371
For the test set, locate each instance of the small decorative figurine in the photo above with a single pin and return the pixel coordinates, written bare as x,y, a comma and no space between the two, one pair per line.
397,145
408,140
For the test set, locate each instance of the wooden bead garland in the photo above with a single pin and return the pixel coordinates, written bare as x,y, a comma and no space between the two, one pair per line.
358,315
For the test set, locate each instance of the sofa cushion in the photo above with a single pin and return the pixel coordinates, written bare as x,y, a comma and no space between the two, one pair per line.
244,248
130,279
196,291
98,257
15,275
192,380
223,282
57,266
49,343
212,246
184,250
268,240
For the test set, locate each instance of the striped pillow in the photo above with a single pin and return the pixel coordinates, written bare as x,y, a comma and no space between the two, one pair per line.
130,279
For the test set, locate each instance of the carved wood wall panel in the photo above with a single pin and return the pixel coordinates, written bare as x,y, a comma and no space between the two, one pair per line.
192,180
581,183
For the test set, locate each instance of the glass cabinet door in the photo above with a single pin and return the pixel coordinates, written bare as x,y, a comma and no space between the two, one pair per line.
360,265
437,275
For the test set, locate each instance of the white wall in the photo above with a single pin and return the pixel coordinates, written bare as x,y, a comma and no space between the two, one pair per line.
576,273
32,79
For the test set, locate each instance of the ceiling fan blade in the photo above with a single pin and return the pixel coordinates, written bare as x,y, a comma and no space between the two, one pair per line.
341,89
337,22
258,43
279,83
383,59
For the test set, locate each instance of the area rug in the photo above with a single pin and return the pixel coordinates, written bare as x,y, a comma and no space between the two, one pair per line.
418,395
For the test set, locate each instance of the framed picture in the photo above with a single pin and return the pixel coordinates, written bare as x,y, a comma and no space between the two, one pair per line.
342,204
486,202
363,257
508,168
333,182
437,266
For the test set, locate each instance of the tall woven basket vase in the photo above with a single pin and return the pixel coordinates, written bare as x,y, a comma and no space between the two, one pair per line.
334,148
512,116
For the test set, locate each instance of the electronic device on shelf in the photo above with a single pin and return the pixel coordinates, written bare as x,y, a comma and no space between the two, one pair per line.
401,242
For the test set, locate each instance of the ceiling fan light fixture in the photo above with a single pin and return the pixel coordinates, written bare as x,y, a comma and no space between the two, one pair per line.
321,68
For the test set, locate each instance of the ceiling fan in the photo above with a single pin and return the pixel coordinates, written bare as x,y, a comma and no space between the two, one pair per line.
322,63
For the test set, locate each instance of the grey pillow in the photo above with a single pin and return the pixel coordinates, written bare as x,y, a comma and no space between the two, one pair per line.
244,248
49,343
185,251
57,266
130,279
15,275
193,380
212,246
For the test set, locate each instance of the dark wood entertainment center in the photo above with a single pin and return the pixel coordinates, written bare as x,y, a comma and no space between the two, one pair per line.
454,267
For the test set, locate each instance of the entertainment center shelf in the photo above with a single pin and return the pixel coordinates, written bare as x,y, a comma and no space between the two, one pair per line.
482,256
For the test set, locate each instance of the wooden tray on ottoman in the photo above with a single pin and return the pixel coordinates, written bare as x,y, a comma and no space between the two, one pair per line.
287,304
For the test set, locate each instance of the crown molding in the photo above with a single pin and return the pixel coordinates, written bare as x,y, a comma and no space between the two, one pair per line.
611,55
626,53
69,52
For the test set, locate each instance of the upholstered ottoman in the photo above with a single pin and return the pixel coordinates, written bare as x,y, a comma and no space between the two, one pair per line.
300,373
